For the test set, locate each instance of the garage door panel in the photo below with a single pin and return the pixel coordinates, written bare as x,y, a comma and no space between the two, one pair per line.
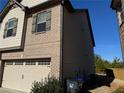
10,79
21,77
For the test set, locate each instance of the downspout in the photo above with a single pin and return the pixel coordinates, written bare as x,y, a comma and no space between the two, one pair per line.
0,71
1,65
61,40
62,47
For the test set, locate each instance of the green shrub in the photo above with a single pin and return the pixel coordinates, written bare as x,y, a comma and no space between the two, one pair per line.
50,85
119,90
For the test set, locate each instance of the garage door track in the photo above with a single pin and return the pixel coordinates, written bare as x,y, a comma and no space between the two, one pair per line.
6,90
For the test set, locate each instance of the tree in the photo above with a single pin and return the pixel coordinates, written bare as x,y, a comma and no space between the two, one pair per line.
117,63
101,64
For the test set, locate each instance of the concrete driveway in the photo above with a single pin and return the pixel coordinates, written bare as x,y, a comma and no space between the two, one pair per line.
6,90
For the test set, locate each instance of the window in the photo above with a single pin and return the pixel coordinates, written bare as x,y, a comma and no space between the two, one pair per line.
10,28
9,63
19,63
30,63
43,63
41,21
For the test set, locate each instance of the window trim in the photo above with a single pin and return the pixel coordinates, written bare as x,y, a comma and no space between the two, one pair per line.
37,23
10,28
48,13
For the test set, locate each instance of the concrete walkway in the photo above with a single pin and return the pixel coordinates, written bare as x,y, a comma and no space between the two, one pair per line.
6,90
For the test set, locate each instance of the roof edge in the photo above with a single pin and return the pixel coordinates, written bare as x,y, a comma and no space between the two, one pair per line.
112,4
4,10
8,6
90,26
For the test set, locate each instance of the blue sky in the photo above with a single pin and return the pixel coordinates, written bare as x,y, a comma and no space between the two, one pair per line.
104,25
2,3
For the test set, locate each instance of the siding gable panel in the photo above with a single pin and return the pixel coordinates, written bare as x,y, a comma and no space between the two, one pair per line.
9,42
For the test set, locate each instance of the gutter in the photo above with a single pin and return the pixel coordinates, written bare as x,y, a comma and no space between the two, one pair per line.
90,27
61,41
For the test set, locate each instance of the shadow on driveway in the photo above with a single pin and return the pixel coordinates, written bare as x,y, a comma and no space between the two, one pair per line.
98,81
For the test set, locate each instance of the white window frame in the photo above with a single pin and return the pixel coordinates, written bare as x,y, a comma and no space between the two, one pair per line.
9,28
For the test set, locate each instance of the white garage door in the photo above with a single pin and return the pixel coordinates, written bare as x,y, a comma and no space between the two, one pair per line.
20,75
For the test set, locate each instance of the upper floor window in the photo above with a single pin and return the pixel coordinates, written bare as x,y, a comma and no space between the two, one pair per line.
10,28
41,21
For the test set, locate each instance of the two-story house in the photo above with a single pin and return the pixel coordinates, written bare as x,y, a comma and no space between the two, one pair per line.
118,6
41,38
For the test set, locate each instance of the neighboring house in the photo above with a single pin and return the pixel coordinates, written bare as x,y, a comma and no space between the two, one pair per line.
41,38
118,5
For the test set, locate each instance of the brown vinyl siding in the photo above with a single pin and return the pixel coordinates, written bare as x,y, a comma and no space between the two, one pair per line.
77,46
